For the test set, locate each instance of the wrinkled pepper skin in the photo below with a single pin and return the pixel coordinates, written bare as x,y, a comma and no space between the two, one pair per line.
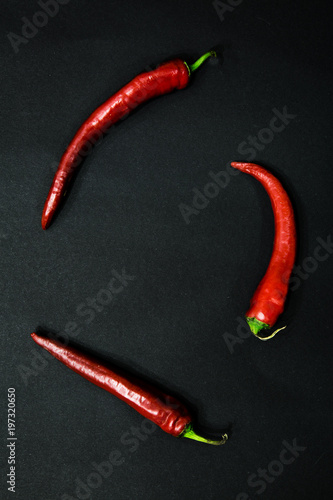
167,77
165,411
269,298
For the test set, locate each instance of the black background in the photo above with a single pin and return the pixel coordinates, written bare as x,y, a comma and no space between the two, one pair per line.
192,281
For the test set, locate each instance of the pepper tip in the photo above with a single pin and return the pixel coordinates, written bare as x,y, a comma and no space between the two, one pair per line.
45,222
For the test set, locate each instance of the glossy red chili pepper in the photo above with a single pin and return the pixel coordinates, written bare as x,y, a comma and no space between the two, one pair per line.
165,411
268,300
167,77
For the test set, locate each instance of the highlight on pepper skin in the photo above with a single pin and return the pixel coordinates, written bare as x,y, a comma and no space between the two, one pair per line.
267,303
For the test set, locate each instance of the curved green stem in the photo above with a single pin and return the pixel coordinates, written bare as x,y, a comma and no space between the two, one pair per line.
256,326
202,59
189,433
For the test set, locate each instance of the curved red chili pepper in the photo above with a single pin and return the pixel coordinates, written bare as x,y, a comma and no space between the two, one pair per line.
165,411
268,300
166,78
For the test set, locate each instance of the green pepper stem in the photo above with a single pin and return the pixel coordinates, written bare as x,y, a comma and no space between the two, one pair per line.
189,433
202,59
256,326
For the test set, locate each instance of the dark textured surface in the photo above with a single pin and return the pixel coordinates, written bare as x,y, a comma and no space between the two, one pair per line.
191,282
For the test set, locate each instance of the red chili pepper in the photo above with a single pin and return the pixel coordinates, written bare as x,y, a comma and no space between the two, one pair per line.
165,411
268,300
167,77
